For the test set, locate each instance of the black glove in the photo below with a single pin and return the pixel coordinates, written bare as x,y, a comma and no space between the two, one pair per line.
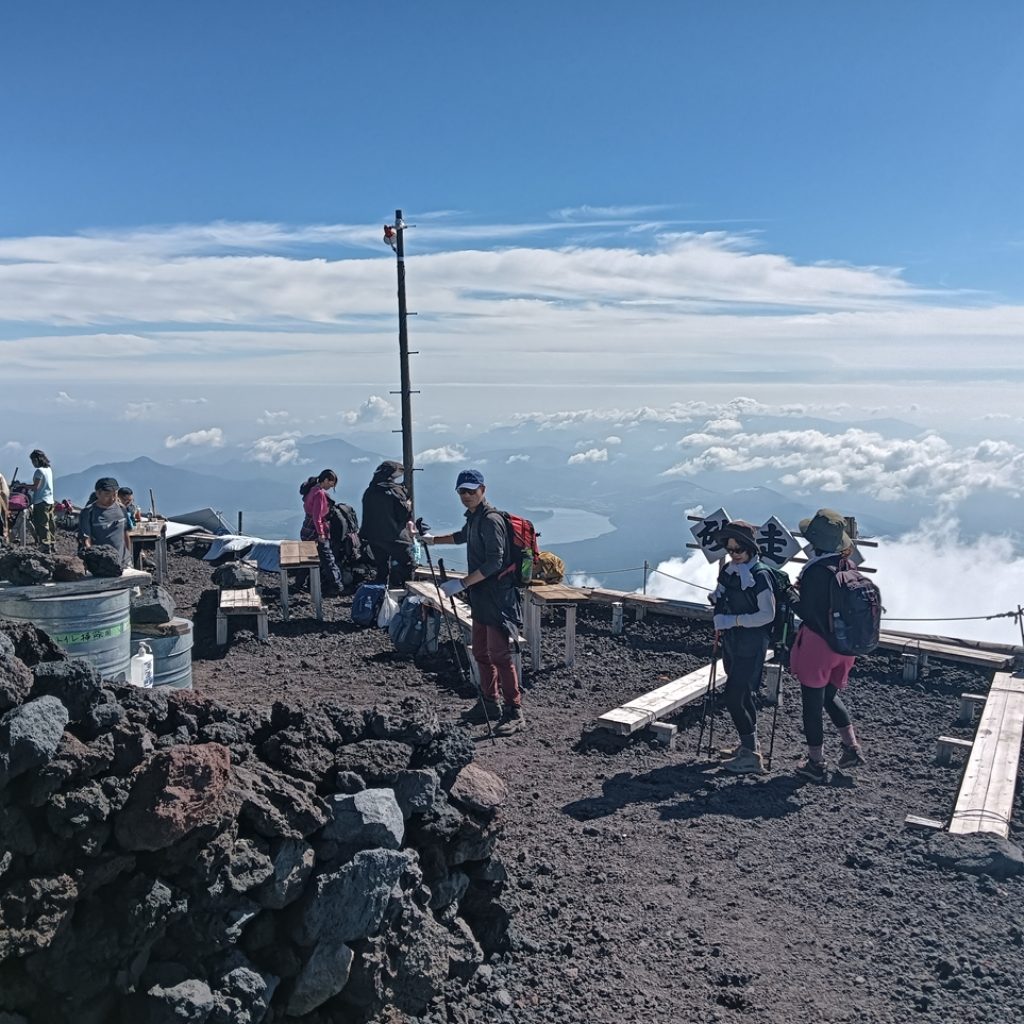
422,527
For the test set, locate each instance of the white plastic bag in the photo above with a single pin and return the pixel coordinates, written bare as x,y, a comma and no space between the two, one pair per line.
388,607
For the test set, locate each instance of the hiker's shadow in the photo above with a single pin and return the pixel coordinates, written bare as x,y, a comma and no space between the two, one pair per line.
707,789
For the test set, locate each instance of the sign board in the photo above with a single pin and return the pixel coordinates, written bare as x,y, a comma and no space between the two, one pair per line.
777,544
704,532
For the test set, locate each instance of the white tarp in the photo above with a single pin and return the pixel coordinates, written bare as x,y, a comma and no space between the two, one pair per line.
265,553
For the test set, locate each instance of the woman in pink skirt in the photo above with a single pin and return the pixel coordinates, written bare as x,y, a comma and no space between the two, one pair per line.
821,671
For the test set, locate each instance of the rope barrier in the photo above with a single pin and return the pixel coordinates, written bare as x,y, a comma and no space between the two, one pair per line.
679,579
602,572
954,618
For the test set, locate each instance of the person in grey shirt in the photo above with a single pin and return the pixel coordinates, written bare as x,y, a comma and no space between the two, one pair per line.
105,521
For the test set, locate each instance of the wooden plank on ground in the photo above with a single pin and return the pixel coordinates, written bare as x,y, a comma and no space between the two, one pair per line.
641,712
985,801
658,605
551,593
950,652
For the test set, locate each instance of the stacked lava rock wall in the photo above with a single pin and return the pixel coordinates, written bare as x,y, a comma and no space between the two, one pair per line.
163,857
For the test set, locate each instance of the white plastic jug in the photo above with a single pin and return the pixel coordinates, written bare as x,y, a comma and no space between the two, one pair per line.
142,667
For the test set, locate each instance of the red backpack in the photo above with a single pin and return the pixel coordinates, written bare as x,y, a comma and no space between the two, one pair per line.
521,550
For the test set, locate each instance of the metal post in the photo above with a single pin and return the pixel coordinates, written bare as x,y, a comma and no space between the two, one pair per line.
403,352
645,575
240,522
1020,622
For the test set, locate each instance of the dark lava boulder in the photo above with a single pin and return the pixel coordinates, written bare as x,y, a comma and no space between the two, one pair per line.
25,566
234,576
152,605
103,560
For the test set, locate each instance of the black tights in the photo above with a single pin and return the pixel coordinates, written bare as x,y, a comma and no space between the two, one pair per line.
815,699
743,674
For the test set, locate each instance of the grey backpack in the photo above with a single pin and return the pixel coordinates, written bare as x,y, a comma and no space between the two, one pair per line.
415,628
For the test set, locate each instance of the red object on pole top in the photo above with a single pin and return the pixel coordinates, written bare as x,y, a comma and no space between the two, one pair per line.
389,235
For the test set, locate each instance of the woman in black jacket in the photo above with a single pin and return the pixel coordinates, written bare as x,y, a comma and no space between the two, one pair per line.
744,610
385,525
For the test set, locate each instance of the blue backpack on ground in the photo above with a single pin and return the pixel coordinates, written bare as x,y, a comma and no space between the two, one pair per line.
415,628
366,603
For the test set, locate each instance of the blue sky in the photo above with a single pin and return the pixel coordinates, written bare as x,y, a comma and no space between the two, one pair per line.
873,132
650,203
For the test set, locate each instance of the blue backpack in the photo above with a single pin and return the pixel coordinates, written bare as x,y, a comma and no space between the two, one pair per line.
366,603
415,627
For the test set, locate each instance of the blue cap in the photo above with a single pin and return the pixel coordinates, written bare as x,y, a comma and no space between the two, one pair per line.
469,480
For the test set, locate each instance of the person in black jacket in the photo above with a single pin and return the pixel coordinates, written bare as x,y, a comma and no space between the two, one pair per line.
744,604
385,525
493,598
822,672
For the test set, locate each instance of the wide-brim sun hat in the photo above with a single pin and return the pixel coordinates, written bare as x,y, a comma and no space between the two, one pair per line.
741,531
826,531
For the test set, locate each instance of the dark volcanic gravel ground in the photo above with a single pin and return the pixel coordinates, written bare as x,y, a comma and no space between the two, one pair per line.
647,886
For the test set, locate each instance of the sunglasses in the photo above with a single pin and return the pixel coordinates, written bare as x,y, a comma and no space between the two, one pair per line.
734,550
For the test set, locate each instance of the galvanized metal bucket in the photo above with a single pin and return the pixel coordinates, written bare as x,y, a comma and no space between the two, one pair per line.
172,655
91,626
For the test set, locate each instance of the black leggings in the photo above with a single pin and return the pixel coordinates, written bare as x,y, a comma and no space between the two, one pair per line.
814,700
743,674
393,563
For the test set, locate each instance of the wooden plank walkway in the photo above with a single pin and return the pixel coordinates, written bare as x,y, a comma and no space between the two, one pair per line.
639,713
948,651
985,801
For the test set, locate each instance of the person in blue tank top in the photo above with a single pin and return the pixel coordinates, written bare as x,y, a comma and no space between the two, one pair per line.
744,603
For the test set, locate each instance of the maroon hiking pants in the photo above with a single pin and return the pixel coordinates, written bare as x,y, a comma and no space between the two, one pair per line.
494,656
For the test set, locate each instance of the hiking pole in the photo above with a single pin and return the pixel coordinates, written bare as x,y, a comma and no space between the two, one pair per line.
775,718
479,685
447,621
708,694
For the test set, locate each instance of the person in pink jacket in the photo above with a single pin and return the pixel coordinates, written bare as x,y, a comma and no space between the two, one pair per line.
316,526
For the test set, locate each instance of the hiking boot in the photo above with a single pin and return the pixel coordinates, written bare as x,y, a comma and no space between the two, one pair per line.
512,721
475,714
745,762
852,757
813,770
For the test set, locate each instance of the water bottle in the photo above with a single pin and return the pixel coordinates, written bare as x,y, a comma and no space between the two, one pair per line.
142,667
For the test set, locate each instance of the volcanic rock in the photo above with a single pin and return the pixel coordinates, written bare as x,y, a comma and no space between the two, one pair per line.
31,644
234,576
153,604
75,683
360,821
103,560
15,679
174,792
25,567
322,976
274,806
978,853
292,863
479,790
68,569
29,736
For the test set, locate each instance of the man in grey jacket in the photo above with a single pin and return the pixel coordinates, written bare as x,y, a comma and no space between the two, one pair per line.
493,598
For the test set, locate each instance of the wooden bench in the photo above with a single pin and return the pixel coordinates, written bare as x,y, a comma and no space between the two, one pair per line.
547,595
642,712
240,603
985,800
301,554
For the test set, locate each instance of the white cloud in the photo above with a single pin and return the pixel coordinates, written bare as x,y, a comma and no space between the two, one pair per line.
212,437
64,399
613,439
591,455
581,579
517,458
439,428
861,461
449,453
276,450
361,458
269,418
373,410
151,409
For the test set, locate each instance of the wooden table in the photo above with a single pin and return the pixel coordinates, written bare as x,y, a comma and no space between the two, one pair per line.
141,539
301,554
240,602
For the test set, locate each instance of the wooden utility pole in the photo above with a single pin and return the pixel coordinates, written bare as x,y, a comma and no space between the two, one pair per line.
395,237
